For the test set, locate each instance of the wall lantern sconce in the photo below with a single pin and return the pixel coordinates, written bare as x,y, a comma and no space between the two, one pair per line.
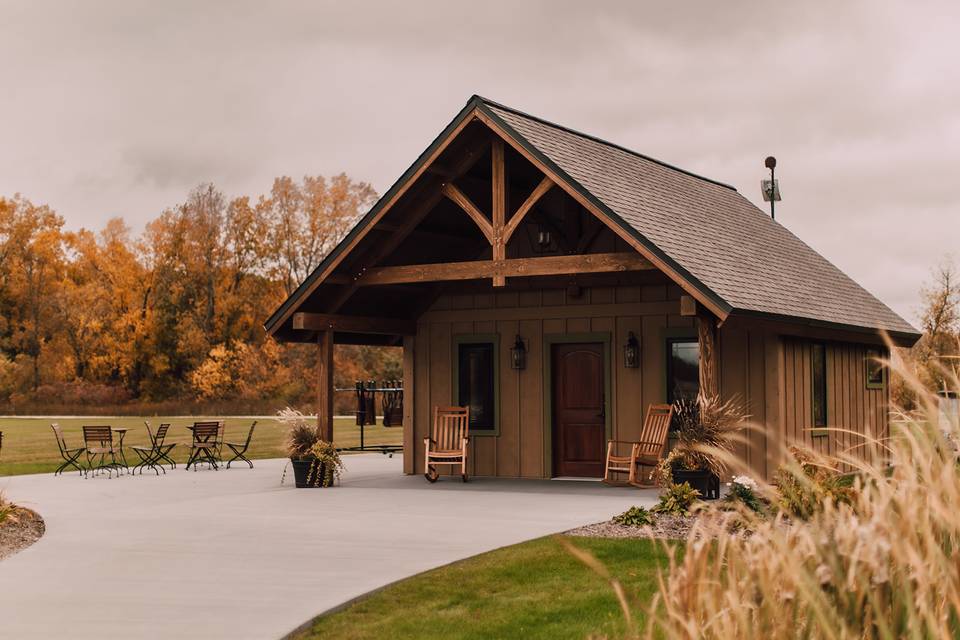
518,355
631,352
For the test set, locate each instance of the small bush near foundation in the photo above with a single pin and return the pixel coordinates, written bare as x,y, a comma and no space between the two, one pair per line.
743,490
677,500
634,517
807,481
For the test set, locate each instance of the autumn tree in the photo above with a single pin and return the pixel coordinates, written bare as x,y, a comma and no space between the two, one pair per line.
940,321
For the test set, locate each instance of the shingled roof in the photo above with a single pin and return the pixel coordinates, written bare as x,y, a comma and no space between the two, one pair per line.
731,250
716,240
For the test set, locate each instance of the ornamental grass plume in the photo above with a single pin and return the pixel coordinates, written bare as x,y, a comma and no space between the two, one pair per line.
884,562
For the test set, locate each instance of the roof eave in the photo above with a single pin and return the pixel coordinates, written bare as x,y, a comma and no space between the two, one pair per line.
900,338
722,305
273,323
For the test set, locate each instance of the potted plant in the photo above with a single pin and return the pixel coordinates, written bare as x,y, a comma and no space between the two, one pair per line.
705,431
315,462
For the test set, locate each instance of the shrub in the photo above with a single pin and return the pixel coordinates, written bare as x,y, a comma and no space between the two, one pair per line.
743,490
634,517
875,559
9,512
807,481
677,500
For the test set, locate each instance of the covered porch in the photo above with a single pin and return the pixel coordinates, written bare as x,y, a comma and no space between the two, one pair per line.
514,294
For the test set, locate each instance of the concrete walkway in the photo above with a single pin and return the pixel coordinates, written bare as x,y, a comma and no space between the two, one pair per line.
233,554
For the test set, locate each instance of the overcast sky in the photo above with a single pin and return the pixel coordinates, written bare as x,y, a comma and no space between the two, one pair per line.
120,108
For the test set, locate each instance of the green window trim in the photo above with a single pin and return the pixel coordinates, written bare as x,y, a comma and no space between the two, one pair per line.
477,338
870,357
819,410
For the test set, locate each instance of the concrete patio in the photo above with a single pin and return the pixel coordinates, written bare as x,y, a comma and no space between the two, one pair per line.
233,554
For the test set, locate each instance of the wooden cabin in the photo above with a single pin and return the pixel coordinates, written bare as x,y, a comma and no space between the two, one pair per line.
558,284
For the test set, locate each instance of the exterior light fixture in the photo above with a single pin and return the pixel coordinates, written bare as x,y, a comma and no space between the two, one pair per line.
518,355
631,352
543,238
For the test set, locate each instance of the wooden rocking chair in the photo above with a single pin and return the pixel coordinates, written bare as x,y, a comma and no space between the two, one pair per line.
448,442
647,452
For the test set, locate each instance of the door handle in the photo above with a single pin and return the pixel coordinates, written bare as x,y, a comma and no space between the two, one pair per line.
603,406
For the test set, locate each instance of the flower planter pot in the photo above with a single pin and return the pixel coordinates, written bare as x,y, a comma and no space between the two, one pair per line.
303,478
701,479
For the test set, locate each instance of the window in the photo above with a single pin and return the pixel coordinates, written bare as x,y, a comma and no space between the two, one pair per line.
683,369
476,383
818,369
874,369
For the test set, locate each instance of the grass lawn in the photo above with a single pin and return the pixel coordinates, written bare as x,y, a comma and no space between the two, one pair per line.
531,590
30,447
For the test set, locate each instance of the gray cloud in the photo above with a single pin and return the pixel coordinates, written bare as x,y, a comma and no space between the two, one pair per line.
119,108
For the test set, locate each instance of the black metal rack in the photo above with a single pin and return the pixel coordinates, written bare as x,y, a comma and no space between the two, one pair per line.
391,401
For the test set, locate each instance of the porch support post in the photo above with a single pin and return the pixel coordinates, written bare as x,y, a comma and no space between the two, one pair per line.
707,337
325,385
499,198
409,441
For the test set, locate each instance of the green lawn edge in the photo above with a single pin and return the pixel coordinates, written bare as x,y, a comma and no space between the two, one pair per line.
531,590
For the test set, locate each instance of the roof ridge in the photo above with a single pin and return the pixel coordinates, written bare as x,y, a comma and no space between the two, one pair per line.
598,140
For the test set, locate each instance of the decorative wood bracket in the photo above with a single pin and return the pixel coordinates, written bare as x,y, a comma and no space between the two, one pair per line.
499,232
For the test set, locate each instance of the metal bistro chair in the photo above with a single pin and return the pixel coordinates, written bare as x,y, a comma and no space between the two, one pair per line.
163,449
448,442
240,449
70,456
205,445
647,452
99,442
153,456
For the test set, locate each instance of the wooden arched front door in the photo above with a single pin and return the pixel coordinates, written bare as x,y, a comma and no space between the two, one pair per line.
579,418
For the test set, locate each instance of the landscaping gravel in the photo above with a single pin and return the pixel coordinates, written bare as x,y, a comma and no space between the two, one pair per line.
665,526
20,531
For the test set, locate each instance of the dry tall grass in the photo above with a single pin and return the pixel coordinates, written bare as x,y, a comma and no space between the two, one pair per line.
886,565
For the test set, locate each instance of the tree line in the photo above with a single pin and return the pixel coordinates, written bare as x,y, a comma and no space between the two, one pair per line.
174,313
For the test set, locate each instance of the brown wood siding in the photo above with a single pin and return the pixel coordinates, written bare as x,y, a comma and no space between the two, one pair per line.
771,373
856,415
518,450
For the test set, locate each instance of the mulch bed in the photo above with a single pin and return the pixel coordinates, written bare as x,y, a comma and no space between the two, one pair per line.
665,526
20,531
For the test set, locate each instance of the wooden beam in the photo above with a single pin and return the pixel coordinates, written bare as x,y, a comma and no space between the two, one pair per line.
538,192
387,206
328,322
325,385
411,220
688,306
409,345
707,338
498,173
518,267
592,208
460,198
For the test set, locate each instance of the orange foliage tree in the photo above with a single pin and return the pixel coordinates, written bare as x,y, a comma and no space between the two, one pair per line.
175,314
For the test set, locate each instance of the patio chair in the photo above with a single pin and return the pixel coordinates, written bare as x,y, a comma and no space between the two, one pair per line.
164,449
448,442
101,453
240,448
154,455
70,456
205,445
647,452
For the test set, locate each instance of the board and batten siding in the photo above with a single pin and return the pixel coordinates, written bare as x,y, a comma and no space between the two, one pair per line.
852,406
768,371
